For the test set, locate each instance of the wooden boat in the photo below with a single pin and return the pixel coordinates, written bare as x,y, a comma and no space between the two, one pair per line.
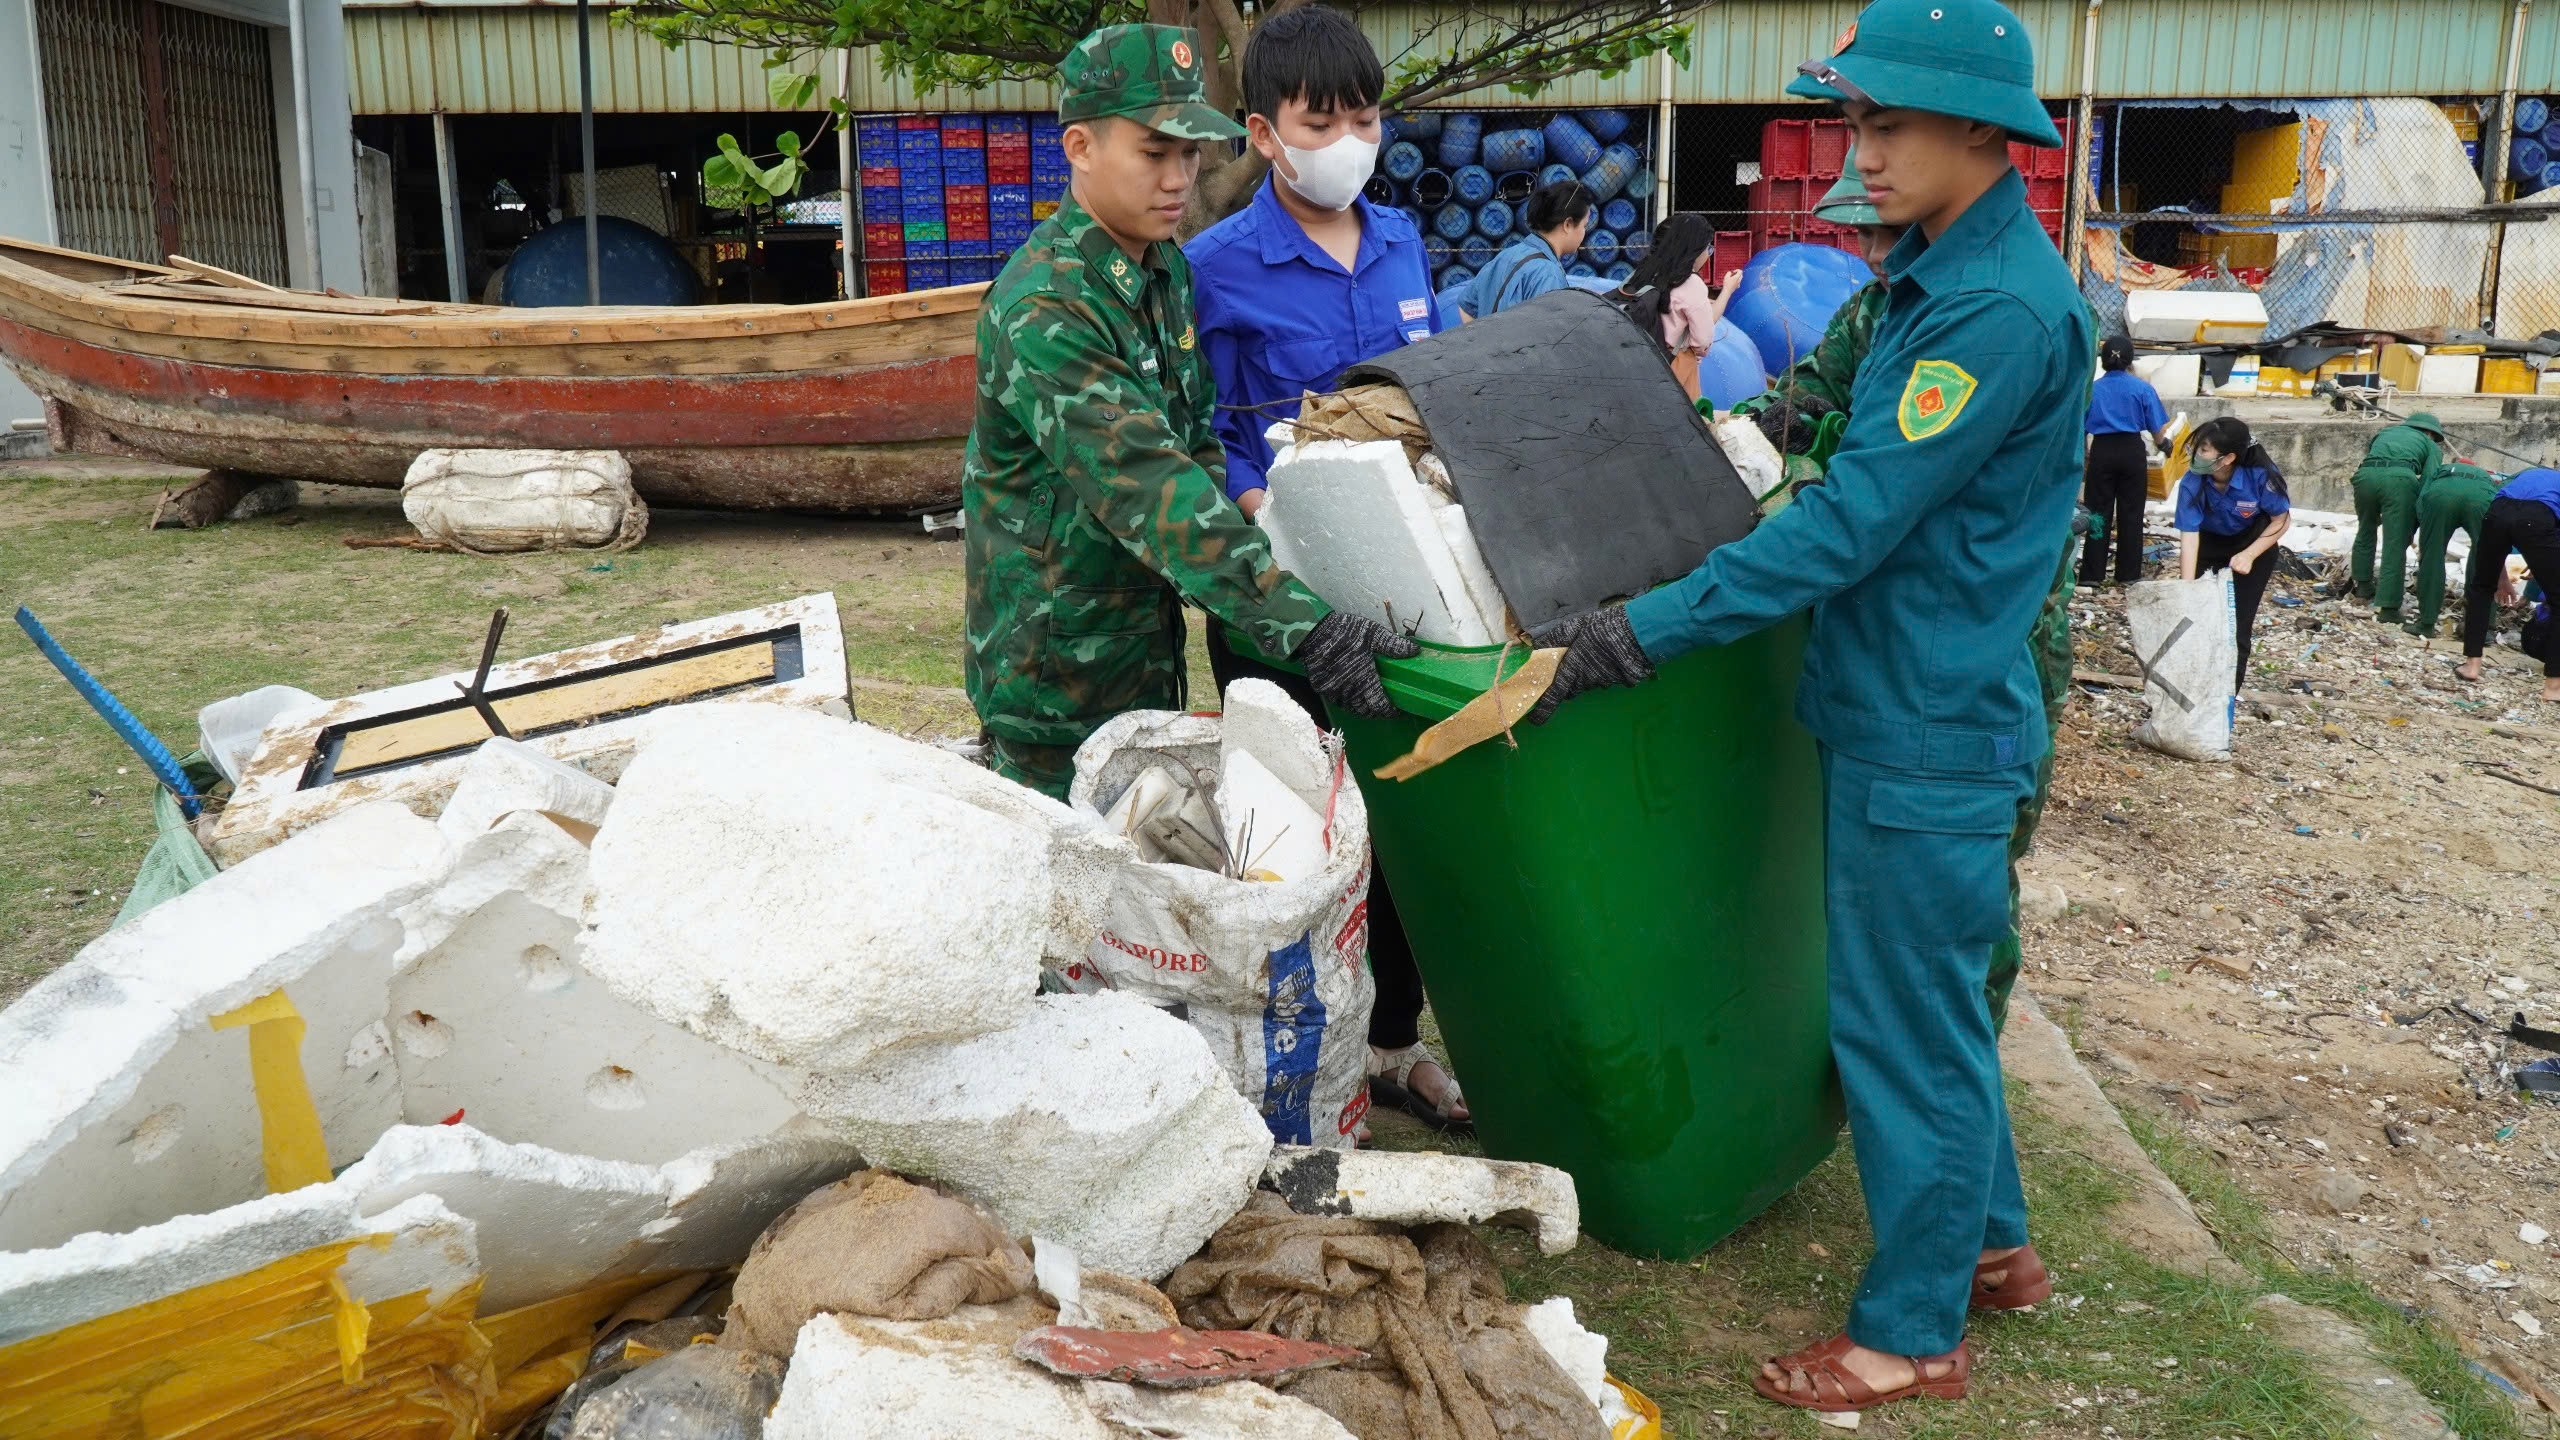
850,407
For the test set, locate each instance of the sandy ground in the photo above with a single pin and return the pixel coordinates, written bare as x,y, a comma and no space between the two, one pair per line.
2307,957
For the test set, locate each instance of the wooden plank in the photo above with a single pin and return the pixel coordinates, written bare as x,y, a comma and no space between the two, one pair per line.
680,678
220,276
274,299
70,268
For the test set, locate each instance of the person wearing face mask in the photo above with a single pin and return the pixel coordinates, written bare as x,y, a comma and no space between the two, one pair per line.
2232,508
1530,266
1303,283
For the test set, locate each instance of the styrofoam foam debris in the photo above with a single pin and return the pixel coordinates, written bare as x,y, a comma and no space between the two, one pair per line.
1418,1188
849,1374
430,1248
1352,520
505,776
761,885
1748,450
1097,1119
1270,831
1581,1355
127,1108
227,730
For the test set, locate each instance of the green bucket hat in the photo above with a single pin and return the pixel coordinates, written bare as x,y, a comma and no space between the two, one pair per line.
1966,58
1149,73
1847,203
2422,420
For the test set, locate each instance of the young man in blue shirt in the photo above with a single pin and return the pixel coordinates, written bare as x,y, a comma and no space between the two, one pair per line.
1303,283
2122,409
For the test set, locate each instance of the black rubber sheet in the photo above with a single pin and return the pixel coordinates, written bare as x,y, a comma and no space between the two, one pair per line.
1586,474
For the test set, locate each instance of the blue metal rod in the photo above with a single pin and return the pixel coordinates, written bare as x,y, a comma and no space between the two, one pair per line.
163,765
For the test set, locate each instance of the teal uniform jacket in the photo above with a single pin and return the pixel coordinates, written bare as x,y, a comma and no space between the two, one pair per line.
1927,551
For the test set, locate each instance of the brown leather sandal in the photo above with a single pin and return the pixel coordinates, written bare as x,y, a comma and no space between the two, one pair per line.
1814,1379
2023,1282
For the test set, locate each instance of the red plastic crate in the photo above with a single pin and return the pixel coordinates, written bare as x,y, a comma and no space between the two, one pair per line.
1732,252
884,240
1773,196
890,279
919,122
1786,149
968,230
879,174
963,194
1768,230
2023,156
1008,172
1830,152
2048,196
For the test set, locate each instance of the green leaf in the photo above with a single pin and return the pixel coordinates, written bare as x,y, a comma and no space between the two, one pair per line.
789,90
788,142
721,173
782,179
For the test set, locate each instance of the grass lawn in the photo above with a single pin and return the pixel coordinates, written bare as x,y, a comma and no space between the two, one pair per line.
171,621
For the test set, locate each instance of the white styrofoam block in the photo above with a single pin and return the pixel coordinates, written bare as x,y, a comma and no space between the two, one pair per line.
1269,829
2191,316
1237,1410
1258,718
759,885
2176,377
504,776
499,1020
1350,520
1746,447
1483,591
720,1198
1581,1355
1098,1120
96,1274
1427,1187
843,1387
272,801
127,1108
547,1222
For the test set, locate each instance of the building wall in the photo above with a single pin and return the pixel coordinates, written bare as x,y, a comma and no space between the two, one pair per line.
26,205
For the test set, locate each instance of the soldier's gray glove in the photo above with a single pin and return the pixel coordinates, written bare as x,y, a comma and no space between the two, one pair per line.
1600,651
1341,657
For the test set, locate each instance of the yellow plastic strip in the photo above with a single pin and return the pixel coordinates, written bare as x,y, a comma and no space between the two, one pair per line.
295,1153
355,1323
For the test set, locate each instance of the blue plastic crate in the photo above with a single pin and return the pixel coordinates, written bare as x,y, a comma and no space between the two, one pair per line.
928,249
1009,194
876,132
927,275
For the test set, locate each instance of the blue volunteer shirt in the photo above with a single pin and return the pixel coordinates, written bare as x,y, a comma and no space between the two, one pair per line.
1279,317
1526,269
2123,403
1926,552
2228,509
2541,484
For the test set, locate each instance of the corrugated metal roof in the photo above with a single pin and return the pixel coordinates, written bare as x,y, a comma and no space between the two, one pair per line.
2176,49
2538,72
1745,51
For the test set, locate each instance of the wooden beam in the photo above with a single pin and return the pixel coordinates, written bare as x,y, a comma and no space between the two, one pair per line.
220,276
682,677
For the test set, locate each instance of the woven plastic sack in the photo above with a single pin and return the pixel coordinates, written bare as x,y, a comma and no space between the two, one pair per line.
487,502
2183,635
176,863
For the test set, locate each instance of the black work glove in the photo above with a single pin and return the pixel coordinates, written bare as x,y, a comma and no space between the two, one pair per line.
1341,657
1600,650
1789,424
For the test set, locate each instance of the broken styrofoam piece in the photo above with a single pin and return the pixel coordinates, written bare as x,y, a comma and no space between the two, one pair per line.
418,1246
1473,572
1271,833
494,1017
720,1198
1351,520
1581,1355
227,730
274,800
1096,1119
1746,447
943,1381
762,886
126,1107
505,776
1417,1188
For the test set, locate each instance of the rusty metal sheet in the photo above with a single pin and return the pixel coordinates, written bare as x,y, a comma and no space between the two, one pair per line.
1177,1359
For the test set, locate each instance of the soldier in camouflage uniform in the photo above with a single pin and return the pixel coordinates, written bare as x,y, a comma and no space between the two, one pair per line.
1791,412
1094,484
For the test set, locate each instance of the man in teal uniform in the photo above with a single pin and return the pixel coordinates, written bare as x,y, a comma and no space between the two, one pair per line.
1094,483
1924,557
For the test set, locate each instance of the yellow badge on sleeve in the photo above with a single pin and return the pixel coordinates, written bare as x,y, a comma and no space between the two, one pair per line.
1933,398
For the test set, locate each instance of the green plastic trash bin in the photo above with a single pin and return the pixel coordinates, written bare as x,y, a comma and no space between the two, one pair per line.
1620,926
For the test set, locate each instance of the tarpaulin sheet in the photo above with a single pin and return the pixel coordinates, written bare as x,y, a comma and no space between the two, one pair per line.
1586,474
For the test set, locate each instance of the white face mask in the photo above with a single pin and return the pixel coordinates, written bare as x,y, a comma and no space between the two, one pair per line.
1331,178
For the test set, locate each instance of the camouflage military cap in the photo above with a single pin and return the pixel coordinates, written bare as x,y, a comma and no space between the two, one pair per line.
1149,73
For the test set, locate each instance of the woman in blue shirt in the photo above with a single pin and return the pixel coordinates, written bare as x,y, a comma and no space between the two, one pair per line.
2232,508
2122,409
1559,216
2525,517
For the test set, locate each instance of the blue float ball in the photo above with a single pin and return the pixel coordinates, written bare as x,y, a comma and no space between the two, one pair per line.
1475,184
1433,188
1618,164
1788,296
1731,371
1460,137
1380,190
2527,157
1517,186
1581,269
1404,160
1494,221
1619,215
1640,184
1423,124
2532,115
635,265
1637,245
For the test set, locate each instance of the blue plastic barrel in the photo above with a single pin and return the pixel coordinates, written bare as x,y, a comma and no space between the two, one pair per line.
1433,189
1606,125
1459,137
1454,221
2551,138
1494,221
1404,160
635,266
2532,115
1380,190
1731,371
1622,272
1572,143
1618,164
1477,252
1439,251
1788,295
1600,248
1453,295
1581,270
2525,158
1619,215
1640,184
1516,149
1637,245
1517,186
1475,184
1555,174
1422,124
2551,175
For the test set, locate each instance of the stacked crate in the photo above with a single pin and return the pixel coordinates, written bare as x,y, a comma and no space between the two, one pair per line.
2048,176
884,230
1800,160
1049,175
947,199
964,197
1009,165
